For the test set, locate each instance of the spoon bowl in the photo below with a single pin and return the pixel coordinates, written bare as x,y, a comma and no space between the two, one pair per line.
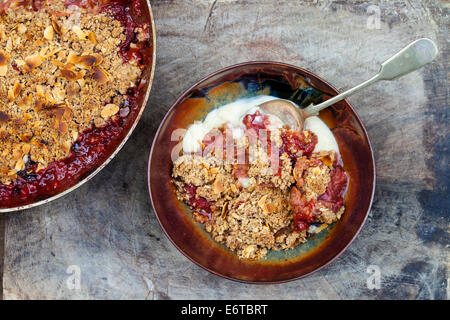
287,111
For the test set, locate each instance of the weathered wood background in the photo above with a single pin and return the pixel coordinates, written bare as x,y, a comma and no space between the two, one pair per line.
108,229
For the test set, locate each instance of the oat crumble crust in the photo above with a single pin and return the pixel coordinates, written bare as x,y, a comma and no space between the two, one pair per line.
257,218
60,73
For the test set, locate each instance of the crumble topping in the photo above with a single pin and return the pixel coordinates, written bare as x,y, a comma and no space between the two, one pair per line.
60,73
253,208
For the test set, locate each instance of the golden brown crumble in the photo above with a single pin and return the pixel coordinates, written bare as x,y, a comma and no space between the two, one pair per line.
59,75
257,217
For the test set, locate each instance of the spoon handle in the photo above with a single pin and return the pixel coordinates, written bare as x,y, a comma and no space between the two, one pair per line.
412,57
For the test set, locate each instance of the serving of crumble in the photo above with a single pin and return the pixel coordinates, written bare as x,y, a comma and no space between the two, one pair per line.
283,189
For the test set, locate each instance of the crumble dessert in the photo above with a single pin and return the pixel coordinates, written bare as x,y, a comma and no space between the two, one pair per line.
286,188
68,76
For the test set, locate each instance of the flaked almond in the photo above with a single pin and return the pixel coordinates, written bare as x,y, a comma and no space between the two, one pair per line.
58,63
2,31
225,210
40,166
20,165
62,127
4,117
32,62
66,146
58,94
262,201
40,90
9,45
26,137
321,228
56,109
3,70
48,33
109,110
68,114
3,135
38,42
70,66
3,58
12,173
72,58
92,37
21,28
16,41
74,135
50,52
218,186
27,99
3,63
14,92
26,148
43,51
41,144
269,207
16,89
40,105
100,75
71,75
87,61
80,33
56,27
327,160
19,62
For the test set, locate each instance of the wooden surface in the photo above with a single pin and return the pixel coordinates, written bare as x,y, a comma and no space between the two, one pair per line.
108,229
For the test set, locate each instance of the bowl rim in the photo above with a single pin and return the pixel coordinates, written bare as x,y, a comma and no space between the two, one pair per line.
119,147
185,94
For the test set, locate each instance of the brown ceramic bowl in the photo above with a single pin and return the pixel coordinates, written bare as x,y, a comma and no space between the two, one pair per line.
129,124
287,82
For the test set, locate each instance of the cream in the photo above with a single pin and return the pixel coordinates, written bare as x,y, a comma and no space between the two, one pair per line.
326,140
232,113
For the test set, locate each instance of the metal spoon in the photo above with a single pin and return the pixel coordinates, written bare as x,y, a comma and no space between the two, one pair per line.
412,57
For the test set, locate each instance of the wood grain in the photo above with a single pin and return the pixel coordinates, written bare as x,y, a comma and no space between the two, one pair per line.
108,229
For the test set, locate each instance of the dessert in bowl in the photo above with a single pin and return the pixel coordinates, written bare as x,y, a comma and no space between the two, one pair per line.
256,221
256,183
74,80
